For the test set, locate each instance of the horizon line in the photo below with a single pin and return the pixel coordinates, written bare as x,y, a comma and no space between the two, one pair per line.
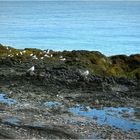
71,0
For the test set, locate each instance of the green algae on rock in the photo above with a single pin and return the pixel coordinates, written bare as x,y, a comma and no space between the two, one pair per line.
95,62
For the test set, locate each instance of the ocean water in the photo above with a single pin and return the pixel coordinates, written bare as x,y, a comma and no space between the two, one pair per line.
109,27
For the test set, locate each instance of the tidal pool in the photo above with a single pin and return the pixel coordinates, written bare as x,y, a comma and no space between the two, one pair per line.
4,99
121,117
11,121
52,104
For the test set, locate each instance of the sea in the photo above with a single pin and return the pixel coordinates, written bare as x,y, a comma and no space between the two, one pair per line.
111,27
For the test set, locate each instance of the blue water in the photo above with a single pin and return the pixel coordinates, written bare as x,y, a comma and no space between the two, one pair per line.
109,27
5,100
12,121
52,104
121,117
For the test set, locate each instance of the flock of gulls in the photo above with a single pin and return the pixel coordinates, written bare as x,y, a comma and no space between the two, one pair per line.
45,54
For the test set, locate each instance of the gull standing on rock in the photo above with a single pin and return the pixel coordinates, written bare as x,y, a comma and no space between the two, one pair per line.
63,59
34,57
24,51
86,73
46,55
20,53
48,51
31,69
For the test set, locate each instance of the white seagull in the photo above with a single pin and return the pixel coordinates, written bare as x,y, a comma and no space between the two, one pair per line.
20,53
63,59
24,51
31,69
48,51
34,57
86,73
46,55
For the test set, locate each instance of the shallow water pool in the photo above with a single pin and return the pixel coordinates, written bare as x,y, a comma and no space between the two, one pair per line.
123,118
4,99
52,104
12,121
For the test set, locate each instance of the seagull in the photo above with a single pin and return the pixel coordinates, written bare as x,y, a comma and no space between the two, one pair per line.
86,73
46,55
24,51
48,51
31,69
20,53
34,57
63,59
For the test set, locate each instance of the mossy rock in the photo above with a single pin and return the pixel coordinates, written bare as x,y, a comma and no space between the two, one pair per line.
116,70
96,62
6,50
33,51
135,58
135,74
134,61
120,59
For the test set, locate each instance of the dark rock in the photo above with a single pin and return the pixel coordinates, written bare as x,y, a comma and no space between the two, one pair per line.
30,73
7,134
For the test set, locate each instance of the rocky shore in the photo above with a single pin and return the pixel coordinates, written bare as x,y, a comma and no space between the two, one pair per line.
56,98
